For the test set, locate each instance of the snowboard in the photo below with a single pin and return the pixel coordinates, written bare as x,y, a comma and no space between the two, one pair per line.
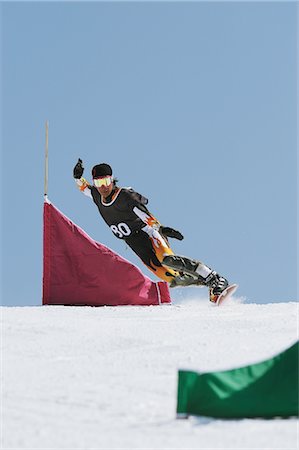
226,294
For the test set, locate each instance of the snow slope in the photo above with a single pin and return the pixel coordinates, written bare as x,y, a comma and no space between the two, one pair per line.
106,378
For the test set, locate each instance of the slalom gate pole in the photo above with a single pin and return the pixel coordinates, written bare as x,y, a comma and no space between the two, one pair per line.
46,161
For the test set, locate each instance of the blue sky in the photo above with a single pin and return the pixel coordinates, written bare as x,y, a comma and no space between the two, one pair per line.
193,104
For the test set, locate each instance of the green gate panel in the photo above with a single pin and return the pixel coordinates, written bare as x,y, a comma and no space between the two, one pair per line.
266,389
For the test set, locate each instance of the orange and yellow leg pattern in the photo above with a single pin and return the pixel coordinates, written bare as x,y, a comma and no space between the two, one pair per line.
161,249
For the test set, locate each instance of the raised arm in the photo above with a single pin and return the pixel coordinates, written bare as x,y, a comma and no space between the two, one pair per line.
82,184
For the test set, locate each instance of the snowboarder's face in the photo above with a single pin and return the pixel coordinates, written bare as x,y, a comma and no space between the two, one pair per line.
105,191
104,185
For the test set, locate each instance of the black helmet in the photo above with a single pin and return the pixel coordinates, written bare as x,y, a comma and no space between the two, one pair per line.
101,170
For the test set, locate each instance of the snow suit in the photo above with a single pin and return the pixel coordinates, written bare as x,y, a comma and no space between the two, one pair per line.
126,214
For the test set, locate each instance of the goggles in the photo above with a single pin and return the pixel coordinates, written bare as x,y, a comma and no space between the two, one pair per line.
102,181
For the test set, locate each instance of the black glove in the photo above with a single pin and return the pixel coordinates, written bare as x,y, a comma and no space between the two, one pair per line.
78,169
170,232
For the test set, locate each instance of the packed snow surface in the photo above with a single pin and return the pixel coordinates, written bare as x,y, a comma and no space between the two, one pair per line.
106,378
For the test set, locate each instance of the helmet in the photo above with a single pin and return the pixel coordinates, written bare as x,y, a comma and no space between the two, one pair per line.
101,170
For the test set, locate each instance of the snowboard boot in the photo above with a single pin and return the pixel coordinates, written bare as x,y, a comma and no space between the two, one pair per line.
217,285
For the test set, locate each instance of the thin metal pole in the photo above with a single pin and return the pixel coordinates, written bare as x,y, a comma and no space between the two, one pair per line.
46,160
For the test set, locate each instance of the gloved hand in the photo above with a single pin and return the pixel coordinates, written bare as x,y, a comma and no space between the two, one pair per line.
170,232
78,169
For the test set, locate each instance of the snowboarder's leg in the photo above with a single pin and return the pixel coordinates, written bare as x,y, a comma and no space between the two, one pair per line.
156,253
151,250
205,275
185,280
151,247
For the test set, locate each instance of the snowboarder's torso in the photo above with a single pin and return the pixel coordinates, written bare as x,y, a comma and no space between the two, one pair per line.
119,213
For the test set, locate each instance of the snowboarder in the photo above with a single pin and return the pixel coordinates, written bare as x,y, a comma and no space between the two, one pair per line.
125,212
